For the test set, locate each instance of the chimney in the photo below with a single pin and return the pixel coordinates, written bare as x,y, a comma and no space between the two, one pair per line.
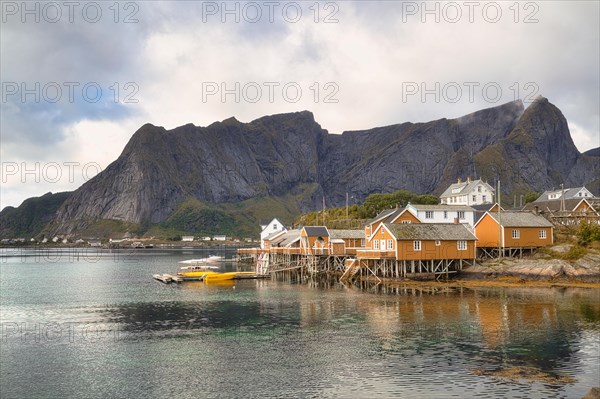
455,220
536,210
459,180
468,179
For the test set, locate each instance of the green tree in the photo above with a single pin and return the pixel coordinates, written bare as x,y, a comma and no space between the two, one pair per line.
531,196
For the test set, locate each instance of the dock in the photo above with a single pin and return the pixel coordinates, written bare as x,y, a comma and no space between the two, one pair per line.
208,277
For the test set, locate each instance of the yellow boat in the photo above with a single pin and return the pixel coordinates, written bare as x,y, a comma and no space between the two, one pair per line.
213,277
198,273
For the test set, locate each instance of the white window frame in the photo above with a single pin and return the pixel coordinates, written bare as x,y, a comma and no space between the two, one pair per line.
406,222
428,214
516,234
542,235
460,214
416,245
375,244
445,214
475,198
461,245
484,198
390,245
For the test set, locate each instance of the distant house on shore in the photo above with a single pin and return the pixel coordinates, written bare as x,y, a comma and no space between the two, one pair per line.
187,238
219,238
471,192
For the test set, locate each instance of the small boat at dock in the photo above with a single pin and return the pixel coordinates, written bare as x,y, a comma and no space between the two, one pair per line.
166,278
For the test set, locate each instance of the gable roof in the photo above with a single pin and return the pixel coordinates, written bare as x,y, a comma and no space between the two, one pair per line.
382,215
555,205
287,238
430,231
316,231
570,193
273,235
355,234
264,223
440,207
465,187
395,215
519,219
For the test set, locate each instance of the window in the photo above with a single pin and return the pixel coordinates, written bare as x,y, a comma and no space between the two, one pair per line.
406,222
542,234
417,245
274,226
383,245
428,214
461,245
474,198
438,243
375,244
484,198
478,189
516,234
362,242
390,245
445,214
460,214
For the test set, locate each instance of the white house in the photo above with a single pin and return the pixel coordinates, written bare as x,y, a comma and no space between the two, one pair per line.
187,238
219,238
268,229
443,213
566,193
471,192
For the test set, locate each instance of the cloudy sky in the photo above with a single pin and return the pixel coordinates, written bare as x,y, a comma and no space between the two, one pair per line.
78,79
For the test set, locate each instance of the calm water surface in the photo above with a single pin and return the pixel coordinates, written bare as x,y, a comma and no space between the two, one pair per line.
97,325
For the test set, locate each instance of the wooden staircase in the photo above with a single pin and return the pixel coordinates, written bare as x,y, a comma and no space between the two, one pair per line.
351,271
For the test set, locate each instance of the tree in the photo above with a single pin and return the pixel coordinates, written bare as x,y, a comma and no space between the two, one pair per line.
531,196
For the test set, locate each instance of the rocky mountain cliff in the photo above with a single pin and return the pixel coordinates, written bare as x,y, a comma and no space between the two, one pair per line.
290,156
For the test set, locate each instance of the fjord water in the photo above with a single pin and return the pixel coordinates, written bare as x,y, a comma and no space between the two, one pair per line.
97,325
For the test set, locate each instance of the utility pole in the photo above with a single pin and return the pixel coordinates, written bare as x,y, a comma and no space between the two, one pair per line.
346,205
499,223
562,197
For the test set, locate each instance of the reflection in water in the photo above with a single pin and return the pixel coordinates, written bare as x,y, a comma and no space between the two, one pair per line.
288,337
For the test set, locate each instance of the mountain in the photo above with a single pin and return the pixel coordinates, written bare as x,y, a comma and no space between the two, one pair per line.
202,179
32,216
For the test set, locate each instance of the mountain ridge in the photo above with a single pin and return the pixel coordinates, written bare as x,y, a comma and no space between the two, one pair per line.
291,158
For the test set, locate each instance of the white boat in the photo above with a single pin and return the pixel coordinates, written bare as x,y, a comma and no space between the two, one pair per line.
201,261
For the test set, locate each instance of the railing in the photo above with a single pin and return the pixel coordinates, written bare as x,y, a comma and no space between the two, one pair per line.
374,254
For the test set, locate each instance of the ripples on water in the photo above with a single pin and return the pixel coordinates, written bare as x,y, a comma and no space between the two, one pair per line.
104,328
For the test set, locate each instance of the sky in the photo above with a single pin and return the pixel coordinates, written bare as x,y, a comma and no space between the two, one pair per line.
79,78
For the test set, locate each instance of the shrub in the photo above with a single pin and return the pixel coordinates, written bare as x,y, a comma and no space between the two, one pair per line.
588,233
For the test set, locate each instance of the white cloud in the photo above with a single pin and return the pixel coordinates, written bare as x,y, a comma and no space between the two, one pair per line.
371,56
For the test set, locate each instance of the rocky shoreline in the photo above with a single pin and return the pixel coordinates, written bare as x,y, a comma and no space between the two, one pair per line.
538,268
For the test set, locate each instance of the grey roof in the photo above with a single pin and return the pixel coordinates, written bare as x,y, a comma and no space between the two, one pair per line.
382,215
286,239
430,231
569,194
483,207
273,235
554,205
442,207
520,219
316,231
465,186
357,234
